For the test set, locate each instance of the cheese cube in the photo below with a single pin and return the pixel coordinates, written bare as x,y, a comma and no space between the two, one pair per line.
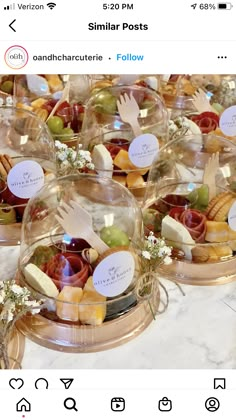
134,179
67,303
92,308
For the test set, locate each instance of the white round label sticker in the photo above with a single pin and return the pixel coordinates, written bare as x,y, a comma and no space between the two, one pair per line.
228,121
25,179
114,274
143,150
232,216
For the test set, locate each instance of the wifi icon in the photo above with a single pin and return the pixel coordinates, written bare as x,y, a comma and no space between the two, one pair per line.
51,5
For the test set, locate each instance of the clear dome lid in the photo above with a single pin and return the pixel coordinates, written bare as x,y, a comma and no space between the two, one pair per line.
123,128
224,95
27,161
102,114
190,200
77,242
178,90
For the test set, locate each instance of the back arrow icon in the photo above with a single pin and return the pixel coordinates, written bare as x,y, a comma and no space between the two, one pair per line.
10,25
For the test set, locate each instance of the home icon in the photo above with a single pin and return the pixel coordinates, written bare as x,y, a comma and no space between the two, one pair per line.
23,405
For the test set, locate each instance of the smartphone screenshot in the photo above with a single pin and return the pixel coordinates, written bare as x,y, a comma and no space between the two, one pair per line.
117,209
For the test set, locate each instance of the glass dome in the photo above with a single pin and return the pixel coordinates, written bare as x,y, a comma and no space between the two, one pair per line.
27,161
121,150
190,201
102,115
79,255
178,91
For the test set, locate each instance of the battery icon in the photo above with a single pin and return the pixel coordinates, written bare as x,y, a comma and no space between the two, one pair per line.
225,6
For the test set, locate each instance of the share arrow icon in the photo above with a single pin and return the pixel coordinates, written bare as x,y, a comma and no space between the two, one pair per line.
66,382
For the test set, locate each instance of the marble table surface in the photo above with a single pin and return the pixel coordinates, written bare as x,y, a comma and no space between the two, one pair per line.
198,331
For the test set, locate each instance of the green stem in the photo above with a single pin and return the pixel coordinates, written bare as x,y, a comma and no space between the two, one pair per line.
152,312
4,357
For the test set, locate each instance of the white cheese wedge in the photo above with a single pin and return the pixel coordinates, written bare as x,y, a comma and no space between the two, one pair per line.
102,160
40,281
194,129
176,232
189,175
152,82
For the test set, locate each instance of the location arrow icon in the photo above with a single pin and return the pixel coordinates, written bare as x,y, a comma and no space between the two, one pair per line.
66,382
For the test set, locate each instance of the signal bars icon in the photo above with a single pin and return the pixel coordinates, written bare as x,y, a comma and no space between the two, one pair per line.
10,7
51,5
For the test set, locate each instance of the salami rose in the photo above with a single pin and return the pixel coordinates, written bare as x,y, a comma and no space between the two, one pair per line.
206,121
193,220
68,269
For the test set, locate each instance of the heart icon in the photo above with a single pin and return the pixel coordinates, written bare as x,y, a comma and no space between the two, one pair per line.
16,383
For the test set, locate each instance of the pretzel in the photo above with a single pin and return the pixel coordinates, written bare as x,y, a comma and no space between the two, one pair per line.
6,164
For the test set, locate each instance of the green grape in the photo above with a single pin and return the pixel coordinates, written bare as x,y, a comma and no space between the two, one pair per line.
146,104
55,125
203,195
114,236
199,198
66,134
106,103
149,216
7,86
193,196
42,254
219,108
7,214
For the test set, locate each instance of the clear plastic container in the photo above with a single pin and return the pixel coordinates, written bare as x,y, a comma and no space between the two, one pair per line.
195,211
101,113
84,266
27,161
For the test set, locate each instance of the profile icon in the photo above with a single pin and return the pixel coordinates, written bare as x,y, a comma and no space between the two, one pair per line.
212,404
16,57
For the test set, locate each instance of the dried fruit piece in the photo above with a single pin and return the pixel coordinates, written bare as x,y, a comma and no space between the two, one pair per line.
200,254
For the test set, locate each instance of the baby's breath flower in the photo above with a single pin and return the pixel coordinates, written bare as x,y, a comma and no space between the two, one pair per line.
17,289
154,252
146,254
60,146
15,301
167,260
62,155
68,159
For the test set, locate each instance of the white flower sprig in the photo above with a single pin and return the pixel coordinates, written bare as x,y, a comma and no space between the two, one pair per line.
15,301
155,251
178,126
68,159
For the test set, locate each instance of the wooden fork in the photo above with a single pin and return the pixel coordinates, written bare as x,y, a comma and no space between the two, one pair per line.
129,112
209,175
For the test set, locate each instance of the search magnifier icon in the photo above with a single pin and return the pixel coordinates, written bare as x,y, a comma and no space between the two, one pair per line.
70,404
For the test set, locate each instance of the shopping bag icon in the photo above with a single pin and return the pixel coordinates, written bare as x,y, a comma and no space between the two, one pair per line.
165,404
